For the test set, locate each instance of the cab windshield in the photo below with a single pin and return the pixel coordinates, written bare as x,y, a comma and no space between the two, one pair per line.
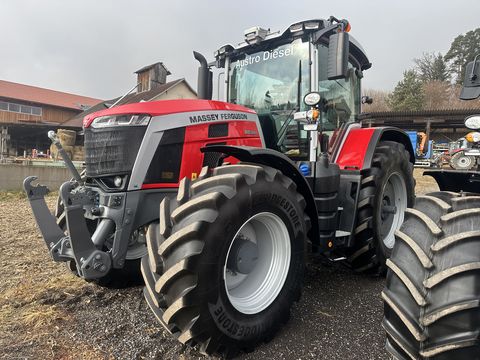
273,83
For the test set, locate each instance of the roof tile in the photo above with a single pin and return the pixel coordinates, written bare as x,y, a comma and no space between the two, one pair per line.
39,95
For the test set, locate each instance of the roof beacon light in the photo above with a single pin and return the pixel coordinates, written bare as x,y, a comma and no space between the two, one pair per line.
255,35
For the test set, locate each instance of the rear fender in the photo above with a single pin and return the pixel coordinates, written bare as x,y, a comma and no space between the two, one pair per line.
281,162
357,148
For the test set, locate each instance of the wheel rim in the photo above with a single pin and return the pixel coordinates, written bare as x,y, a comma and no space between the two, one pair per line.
257,264
392,208
137,246
464,162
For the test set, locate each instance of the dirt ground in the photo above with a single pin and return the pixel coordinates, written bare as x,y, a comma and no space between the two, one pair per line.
45,312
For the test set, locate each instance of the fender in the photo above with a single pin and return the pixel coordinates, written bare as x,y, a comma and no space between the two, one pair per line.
356,151
280,162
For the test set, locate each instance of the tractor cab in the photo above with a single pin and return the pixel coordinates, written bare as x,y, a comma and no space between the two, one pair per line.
272,72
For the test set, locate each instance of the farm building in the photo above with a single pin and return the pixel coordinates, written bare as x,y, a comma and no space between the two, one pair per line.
28,112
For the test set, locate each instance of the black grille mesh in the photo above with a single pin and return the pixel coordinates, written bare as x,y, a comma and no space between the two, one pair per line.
218,130
112,151
211,159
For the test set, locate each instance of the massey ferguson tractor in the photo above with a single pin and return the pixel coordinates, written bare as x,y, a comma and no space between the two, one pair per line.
432,295
226,259
135,156
225,201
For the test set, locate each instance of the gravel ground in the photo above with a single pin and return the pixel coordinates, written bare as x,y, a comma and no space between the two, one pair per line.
46,312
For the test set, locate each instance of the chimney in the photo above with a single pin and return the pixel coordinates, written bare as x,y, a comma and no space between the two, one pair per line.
151,76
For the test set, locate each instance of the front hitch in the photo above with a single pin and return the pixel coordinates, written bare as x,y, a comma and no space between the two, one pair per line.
51,232
78,245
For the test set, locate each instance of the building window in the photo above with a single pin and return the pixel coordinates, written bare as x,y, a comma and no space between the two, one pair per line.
13,107
36,111
24,109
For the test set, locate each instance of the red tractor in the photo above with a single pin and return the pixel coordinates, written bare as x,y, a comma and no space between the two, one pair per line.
225,201
432,295
135,155
226,260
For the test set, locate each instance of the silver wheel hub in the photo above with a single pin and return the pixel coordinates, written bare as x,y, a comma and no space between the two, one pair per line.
393,205
465,161
257,263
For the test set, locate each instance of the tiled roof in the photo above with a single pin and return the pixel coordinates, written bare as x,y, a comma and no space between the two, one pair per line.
39,95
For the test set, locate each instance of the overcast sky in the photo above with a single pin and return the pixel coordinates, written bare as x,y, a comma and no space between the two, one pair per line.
92,47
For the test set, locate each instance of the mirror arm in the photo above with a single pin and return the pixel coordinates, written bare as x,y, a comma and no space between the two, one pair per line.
326,31
473,76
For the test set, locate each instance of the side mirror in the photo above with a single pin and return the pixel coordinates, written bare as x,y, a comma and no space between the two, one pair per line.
338,49
471,84
367,100
473,122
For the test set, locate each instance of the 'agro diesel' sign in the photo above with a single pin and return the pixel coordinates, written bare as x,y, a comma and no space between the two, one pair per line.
265,56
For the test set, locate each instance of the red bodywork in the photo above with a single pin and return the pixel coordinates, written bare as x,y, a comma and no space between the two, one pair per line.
165,107
196,137
354,149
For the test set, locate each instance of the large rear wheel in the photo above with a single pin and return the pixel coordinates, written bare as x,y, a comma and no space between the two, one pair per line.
387,189
226,261
433,284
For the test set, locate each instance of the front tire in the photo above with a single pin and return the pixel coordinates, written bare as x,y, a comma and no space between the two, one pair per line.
386,190
227,260
431,298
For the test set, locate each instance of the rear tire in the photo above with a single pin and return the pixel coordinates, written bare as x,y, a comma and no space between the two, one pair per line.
431,298
460,161
389,182
194,284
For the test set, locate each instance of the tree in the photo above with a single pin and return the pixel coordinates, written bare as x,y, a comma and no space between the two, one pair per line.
380,101
462,50
408,94
432,67
437,95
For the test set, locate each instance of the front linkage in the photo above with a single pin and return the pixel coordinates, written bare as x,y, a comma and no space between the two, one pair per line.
78,245
113,212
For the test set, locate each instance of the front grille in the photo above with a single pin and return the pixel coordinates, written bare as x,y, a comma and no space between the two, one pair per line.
112,151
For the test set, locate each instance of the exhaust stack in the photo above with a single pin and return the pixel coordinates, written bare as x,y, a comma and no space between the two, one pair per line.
204,84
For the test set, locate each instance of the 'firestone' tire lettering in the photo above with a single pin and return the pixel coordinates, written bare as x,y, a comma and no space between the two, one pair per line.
231,326
283,203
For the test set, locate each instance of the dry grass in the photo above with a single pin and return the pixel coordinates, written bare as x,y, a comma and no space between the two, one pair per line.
34,292
425,184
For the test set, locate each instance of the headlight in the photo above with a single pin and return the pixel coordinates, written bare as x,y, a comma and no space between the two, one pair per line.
473,122
118,181
120,120
312,99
